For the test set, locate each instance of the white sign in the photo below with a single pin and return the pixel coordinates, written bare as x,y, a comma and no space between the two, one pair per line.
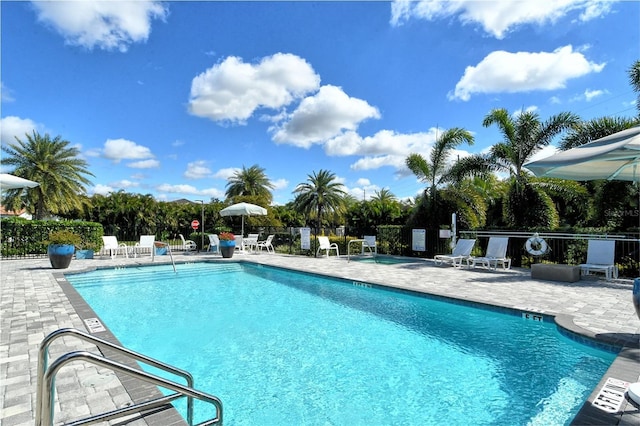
418,242
445,233
305,238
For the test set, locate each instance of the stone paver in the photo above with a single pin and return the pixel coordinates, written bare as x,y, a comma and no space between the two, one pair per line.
33,304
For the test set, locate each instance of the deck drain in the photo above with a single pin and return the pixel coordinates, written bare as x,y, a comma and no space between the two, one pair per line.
94,325
611,395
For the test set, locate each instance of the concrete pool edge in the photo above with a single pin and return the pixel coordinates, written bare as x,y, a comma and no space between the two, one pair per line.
621,368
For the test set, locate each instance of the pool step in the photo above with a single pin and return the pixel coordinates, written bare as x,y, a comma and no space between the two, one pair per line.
142,275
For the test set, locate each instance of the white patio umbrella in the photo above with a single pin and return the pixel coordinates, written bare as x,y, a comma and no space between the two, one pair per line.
8,181
614,157
243,209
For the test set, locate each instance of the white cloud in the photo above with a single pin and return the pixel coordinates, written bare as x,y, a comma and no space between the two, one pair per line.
591,94
555,100
501,72
108,25
497,17
125,184
197,170
279,184
145,164
232,90
226,173
5,93
12,127
322,116
123,149
102,189
189,190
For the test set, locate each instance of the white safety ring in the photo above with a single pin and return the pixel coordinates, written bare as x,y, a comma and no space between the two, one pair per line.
536,246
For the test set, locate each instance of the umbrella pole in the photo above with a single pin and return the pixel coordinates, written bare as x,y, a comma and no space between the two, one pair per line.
242,235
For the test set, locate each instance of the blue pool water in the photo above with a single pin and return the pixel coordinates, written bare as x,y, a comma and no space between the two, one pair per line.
285,348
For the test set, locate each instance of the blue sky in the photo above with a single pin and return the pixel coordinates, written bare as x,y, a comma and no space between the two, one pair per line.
171,98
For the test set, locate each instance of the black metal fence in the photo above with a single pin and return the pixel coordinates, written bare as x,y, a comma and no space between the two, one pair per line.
563,248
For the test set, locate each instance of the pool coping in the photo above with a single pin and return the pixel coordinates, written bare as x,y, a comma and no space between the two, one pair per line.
624,367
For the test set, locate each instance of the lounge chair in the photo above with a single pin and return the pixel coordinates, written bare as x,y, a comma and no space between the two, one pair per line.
214,243
239,244
146,244
327,246
266,244
496,254
250,242
461,252
111,246
369,243
600,258
188,245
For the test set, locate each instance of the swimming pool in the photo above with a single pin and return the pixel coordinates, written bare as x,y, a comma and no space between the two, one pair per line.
280,347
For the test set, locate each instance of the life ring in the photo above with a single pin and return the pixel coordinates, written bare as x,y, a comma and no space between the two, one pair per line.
536,246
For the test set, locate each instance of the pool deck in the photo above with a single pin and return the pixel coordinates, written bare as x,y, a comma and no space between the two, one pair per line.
34,301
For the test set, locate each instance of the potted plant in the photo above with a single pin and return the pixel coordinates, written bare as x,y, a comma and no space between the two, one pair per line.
87,248
61,247
227,244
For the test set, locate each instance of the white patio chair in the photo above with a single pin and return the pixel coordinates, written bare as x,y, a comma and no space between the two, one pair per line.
239,244
601,258
188,245
370,244
266,244
146,244
214,243
110,245
327,246
496,254
250,242
461,252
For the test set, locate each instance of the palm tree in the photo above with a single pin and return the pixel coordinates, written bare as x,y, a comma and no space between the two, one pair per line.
596,128
634,79
251,182
527,204
444,190
321,194
55,166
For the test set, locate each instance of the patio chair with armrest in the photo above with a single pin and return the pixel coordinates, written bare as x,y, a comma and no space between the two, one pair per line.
110,245
461,252
266,244
369,244
214,243
600,258
327,246
496,254
146,244
188,245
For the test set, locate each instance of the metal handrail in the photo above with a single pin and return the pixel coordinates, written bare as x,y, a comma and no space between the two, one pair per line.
45,395
168,246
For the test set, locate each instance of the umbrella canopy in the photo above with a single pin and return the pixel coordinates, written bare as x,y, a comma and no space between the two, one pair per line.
614,157
8,181
243,209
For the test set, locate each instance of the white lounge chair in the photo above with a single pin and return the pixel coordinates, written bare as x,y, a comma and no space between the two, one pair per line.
496,254
239,244
214,243
188,245
369,243
266,244
601,258
110,245
146,245
327,246
461,252
250,242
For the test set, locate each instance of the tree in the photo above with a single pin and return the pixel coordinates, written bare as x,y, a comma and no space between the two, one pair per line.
321,194
445,192
56,166
250,182
526,205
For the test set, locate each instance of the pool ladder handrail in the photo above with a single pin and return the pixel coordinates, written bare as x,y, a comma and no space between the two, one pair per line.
168,246
45,395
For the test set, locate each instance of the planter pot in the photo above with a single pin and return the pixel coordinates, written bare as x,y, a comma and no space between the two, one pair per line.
84,254
60,255
227,248
636,296
160,251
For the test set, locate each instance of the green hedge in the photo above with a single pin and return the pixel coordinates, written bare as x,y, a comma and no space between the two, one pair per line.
21,237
